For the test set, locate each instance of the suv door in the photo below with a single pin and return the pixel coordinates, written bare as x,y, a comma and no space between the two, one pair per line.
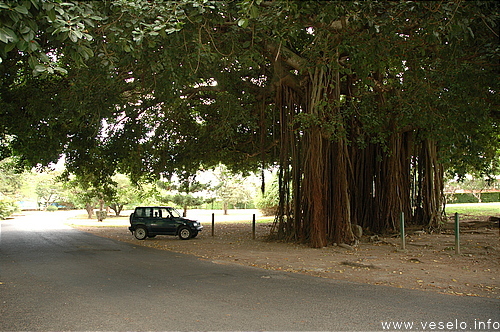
164,223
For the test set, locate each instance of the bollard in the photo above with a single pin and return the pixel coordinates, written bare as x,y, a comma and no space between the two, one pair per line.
402,230
213,224
457,234
253,227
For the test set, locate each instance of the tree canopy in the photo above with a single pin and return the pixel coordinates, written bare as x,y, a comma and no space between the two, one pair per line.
363,105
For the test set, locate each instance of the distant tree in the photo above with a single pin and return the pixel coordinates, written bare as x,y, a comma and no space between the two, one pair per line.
231,188
7,207
86,194
473,185
125,193
268,202
11,178
82,197
48,190
184,192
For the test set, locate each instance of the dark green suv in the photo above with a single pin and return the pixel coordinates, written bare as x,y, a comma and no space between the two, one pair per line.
149,221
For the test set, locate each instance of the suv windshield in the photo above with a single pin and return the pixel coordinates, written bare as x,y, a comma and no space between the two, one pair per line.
174,213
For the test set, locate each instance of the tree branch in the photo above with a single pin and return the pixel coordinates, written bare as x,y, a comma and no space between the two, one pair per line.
286,55
190,93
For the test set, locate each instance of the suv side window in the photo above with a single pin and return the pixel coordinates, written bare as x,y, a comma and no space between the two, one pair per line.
144,212
164,213
154,212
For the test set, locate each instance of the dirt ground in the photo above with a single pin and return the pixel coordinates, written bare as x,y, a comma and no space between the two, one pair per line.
429,262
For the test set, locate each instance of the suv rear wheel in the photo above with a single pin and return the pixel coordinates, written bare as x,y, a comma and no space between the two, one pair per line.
140,233
185,233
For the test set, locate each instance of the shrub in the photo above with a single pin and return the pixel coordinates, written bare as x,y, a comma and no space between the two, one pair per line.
7,208
269,202
52,208
469,198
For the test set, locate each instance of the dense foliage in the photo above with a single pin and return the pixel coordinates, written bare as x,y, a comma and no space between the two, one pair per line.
363,105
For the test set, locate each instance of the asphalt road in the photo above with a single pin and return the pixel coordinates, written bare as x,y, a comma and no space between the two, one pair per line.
53,277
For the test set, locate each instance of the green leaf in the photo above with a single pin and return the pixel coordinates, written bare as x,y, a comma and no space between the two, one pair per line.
9,47
21,9
52,15
7,35
29,36
61,70
86,52
35,4
78,34
44,57
33,46
32,61
254,12
22,45
25,30
243,23
470,31
73,36
59,10
40,68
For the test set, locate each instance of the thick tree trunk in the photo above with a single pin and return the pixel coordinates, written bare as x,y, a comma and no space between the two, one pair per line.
289,216
393,184
90,210
362,182
430,186
315,185
339,227
320,212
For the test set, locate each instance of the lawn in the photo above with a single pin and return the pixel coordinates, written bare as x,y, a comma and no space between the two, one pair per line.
474,209
204,216
465,210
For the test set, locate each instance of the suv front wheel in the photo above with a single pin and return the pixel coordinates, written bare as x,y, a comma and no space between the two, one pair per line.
140,233
185,233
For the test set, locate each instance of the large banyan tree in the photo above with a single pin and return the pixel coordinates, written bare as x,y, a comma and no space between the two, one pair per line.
363,105
370,108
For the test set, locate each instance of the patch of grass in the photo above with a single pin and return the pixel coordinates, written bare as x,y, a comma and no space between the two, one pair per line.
265,220
86,217
94,225
474,209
